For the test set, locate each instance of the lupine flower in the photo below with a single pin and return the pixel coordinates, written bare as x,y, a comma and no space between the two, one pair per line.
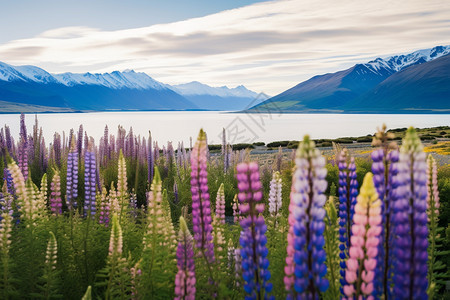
114,205
201,205
275,194
253,240
7,178
409,221
51,255
159,222
133,204
384,168
432,187
185,278
279,159
220,205
104,208
348,190
5,224
236,212
150,159
136,273
89,181
364,242
57,148
122,182
23,148
305,262
19,184
432,212
116,239
79,145
118,277
72,176
55,194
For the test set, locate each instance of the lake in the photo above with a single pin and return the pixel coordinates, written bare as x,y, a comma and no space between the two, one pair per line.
240,128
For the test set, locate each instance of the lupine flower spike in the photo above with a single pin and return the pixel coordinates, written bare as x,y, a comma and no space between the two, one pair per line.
185,278
384,168
275,194
433,211
89,180
201,205
348,190
364,243
305,262
55,194
72,175
220,205
409,220
253,240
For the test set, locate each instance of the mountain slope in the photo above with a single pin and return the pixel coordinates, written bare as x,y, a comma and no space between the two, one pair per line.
341,91
424,87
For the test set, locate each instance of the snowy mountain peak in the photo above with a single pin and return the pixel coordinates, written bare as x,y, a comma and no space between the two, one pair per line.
399,62
198,88
116,80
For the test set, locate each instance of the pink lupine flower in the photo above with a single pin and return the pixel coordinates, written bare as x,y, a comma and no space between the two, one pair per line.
364,242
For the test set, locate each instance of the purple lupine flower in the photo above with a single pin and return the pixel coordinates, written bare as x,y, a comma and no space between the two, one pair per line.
253,240
55,194
156,151
384,169
150,159
89,181
409,221
185,278
57,148
305,262
80,140
7,177
23,148
8,140
348,190
72,177
201,205
279,159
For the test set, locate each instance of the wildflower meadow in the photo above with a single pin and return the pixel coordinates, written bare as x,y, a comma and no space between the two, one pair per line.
124,218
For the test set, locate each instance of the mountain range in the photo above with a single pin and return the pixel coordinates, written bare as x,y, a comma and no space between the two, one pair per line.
418,82
32,89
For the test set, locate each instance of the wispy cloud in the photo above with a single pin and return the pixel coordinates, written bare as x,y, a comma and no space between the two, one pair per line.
269,46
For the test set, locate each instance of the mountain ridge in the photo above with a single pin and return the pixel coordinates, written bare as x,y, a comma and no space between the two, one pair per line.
32,85
342,91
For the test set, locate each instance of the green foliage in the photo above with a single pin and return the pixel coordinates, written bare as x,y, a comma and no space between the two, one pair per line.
331,234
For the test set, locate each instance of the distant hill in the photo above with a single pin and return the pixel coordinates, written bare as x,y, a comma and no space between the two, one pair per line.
219,98
29,88
417,82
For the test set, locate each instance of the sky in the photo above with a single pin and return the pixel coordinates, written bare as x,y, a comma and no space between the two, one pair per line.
268,46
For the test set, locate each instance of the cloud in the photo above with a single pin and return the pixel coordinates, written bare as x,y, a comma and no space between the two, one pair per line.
267,46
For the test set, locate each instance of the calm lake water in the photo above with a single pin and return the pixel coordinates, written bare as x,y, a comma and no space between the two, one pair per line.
240,128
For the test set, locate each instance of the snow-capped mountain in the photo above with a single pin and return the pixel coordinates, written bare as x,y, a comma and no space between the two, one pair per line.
397,63
198,88
359,87
115,80
219,98
116,90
